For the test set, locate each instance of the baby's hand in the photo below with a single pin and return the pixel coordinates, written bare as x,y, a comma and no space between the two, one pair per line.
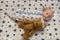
45,24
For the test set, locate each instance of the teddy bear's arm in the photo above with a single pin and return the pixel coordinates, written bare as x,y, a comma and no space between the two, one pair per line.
25,35
26,21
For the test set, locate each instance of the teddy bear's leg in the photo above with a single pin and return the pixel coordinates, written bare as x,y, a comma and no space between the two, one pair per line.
25,35
31,32
28,27
21,24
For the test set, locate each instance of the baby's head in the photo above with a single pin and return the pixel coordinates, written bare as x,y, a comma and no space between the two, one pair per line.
47,13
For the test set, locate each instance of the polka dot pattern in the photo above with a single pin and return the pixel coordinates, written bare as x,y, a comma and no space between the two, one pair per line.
9,29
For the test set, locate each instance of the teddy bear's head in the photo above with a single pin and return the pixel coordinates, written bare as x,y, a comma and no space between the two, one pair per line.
38,24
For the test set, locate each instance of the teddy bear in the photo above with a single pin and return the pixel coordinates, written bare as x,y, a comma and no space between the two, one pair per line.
30,27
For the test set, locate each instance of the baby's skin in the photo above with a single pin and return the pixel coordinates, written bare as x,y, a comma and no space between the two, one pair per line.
47,14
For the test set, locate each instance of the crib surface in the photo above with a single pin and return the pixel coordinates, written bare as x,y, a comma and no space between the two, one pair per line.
9,29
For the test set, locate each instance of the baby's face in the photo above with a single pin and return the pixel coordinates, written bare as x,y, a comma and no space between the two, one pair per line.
47,14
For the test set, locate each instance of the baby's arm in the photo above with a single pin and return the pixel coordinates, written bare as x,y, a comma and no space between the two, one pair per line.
22,15
13,16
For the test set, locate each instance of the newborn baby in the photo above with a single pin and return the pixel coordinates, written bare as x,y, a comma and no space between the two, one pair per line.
45,16
37,22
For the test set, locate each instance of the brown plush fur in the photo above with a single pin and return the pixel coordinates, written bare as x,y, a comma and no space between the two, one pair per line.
30,27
